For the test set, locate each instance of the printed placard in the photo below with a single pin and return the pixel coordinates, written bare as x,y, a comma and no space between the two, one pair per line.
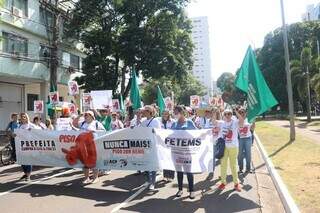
101,99
195,101
73,88
38,106
54,97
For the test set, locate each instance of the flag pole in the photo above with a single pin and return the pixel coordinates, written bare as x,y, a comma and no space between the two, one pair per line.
288,73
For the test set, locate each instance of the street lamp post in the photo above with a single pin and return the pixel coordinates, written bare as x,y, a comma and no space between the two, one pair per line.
288,73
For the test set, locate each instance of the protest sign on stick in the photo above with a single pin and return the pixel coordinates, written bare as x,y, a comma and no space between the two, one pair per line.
38,106
195,101
101,99
73,88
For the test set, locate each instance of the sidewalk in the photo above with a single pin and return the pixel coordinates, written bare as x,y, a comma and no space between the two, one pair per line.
310,131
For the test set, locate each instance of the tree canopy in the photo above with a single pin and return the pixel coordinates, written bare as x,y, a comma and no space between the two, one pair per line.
152,36
303,39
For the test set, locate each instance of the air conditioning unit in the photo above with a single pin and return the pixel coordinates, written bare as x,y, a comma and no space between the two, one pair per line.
16,12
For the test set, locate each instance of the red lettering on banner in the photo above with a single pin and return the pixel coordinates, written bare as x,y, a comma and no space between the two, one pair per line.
67,138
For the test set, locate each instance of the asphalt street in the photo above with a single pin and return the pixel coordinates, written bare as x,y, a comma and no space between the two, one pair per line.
61,190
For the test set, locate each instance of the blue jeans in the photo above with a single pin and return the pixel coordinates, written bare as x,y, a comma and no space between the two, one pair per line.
214,159
152,177
245,153
26,168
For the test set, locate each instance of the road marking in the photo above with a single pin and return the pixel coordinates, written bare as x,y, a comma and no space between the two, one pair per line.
34,182
3,168
142,188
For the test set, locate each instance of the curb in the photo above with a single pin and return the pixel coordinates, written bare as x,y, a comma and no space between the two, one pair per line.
289,205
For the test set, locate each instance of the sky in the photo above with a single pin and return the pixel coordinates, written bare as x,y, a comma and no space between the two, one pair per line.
235,24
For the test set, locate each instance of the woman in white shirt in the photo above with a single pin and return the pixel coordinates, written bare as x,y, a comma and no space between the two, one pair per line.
26,124
166,123
115,122
230,129
152,122
90,124
245,143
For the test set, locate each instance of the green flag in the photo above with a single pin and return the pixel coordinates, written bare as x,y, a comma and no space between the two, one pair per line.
122,109
160,100
250,80
134,91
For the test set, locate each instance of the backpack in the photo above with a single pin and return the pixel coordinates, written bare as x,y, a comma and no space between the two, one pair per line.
219,148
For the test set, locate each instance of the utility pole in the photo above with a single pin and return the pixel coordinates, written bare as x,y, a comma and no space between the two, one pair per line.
54,51
288,73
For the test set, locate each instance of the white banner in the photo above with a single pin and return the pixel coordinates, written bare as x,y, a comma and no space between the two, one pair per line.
101,99
142,149
185,150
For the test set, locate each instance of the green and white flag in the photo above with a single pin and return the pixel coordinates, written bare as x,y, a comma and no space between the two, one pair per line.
160,101
134,91
250,80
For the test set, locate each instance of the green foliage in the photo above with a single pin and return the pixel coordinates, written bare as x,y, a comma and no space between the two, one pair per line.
302,43
231,94
183,88
153,36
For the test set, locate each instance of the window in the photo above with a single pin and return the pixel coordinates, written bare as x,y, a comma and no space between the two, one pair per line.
14,44
21,5
30,101
46,17
75,61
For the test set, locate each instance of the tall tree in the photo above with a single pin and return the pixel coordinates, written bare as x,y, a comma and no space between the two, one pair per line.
153,36
271,60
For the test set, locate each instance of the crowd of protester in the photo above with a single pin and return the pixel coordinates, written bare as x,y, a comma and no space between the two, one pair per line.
229,125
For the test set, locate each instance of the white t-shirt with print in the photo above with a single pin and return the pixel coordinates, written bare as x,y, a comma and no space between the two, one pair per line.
153,122
230,133
244,131
117,124
93,126
168,124
28,126
217,129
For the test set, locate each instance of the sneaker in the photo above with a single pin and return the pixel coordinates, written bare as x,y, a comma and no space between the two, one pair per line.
151,187
27,178
237,187
23,177
179,193
222,186
96,180
107,172
249,171
86,181
192,195
241,171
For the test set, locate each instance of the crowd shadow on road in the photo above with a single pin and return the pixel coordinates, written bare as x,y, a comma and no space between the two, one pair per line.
209,202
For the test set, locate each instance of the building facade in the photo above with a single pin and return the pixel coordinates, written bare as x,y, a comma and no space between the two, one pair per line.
201,55
25,31
312,13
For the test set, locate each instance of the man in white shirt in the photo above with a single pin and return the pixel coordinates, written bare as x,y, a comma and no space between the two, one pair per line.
152,122
205,121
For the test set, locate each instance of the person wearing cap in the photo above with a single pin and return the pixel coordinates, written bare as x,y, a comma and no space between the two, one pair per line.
90,124
151,122
116,123
104,117
245,142
204,122
230,129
